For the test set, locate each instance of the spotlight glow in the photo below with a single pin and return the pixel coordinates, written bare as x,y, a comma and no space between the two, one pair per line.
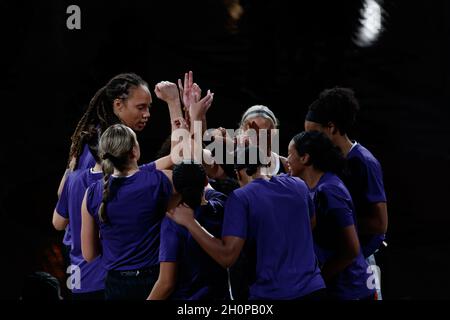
371,24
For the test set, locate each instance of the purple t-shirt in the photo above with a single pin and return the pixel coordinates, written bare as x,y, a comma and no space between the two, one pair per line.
135,210
275,215
92,275
364,179
334,211
199,277
85,161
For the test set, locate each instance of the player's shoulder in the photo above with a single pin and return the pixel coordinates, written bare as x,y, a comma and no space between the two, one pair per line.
362,153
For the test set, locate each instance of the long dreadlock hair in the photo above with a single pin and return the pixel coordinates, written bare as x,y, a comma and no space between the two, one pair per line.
100,113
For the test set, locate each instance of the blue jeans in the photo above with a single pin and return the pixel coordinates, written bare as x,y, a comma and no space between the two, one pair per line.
124,285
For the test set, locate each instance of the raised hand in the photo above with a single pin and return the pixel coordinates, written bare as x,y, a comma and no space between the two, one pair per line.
167,91
186,90
196,93
190,93
253,125
199,108
220,132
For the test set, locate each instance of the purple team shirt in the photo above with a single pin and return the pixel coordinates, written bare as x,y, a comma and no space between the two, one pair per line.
135,210
92,274
86,161
275,214
364,180
334,211
198,275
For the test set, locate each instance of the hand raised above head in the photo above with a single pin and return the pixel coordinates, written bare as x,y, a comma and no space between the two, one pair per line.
199,108
220,132
196,93
187,89
167,91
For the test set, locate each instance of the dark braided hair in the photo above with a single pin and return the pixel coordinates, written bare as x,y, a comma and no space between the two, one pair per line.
323,154
91,138
115,147
189,180
337,105
100,111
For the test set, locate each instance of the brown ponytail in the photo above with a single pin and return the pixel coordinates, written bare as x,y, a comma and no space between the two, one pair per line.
115,148
108,169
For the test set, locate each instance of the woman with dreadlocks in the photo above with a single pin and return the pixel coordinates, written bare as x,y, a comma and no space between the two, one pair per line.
124,99
127,208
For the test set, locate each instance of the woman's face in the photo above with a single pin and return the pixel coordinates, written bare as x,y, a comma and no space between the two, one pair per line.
134,110
136,151
261,122
256,124
314,126
294,162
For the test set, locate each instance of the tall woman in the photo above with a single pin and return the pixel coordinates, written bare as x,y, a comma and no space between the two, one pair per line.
124,99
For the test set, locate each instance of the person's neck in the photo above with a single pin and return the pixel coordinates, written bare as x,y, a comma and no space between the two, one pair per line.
204,201
344,143
259,175
127,172
312,177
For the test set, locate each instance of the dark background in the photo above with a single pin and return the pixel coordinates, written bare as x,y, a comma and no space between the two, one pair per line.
281,54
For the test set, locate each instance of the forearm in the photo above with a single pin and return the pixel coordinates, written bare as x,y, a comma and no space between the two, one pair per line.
59,222
161,290
204,125
212,246
334,266
164,163
175,111
63,181
369,226
373,224
90,252
90,247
